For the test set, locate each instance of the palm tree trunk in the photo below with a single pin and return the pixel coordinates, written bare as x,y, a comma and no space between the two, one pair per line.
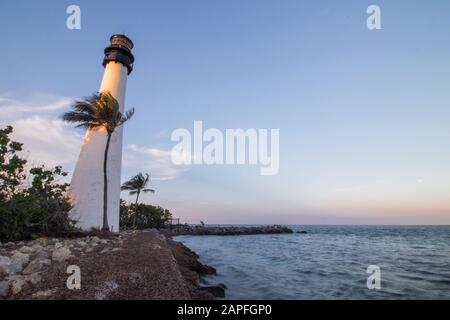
105,227
135,210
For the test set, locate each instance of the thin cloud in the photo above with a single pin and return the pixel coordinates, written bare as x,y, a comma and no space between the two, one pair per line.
47,139
13,109
156,161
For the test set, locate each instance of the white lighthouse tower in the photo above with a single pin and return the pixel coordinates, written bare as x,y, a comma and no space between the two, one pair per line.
86,187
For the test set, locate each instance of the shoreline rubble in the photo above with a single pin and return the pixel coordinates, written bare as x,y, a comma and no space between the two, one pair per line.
129,265
227,231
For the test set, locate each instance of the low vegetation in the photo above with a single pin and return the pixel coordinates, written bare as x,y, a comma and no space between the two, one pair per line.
33,202
135,186
143,216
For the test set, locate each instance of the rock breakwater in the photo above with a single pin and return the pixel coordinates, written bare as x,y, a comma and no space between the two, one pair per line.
228,231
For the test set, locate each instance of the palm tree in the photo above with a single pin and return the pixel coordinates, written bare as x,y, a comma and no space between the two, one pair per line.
136,185
99,111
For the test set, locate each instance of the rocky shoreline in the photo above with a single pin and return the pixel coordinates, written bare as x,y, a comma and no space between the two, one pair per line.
129,265
227,231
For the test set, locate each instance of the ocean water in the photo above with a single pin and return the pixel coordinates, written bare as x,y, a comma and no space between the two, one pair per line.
330,262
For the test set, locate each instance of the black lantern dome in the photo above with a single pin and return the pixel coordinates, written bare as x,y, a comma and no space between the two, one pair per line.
120,51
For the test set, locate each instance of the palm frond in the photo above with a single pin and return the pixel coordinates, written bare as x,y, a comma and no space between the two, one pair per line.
124,118
126,187
137,184
97,110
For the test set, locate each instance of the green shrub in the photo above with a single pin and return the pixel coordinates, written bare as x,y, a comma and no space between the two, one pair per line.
148,216
29,210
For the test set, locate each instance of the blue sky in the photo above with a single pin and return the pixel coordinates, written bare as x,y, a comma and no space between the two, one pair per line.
363,115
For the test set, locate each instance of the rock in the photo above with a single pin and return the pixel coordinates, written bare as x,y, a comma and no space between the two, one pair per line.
302,232
116,249
9,244
4,288
81,243
103,241
4,265
17,284
36,265
216,291
61,254
43,294
19,281
160,236
58,245
21,243
41,255
37,247
34,278
11,265
20,257
88,250
104,251
95,239
26,250
225,231
41,242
